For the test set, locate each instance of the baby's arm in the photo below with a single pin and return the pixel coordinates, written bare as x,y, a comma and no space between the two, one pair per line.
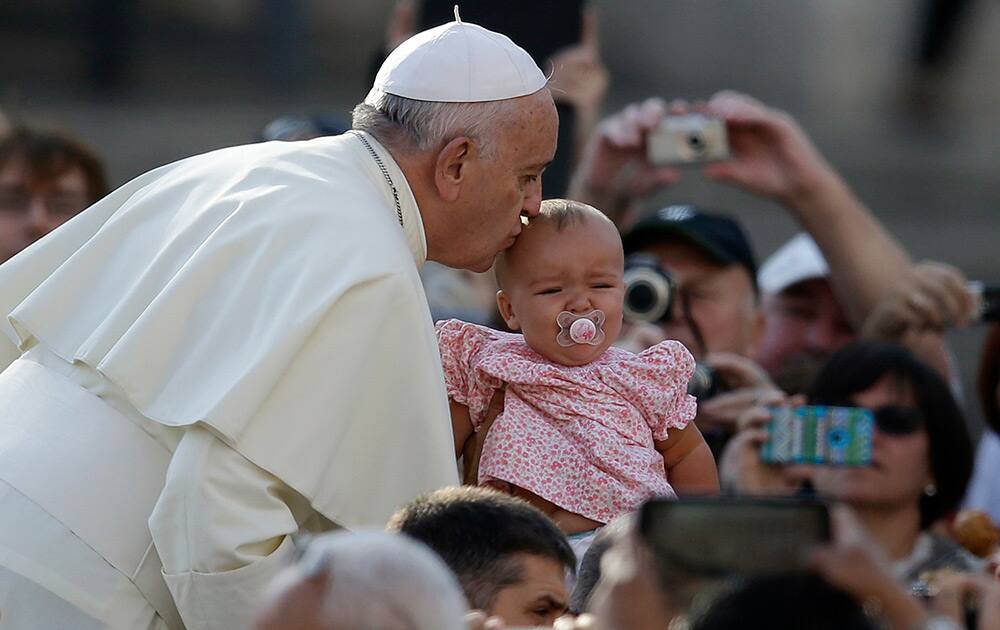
461,425
689,462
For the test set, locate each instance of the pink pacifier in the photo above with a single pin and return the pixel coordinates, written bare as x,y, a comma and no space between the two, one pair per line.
580,329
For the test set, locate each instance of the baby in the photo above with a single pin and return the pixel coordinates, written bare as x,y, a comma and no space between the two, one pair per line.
588,431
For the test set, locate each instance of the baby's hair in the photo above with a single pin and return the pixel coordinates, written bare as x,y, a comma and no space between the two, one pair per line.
559,213
563,212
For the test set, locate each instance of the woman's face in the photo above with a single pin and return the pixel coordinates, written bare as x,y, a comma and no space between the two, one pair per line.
900,469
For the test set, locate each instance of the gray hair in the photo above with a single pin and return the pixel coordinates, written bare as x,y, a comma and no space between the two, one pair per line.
386,581
407,123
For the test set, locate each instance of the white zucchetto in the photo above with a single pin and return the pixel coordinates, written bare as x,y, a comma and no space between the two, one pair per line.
459,62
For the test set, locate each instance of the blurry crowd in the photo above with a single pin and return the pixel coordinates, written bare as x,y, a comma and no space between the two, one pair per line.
838,315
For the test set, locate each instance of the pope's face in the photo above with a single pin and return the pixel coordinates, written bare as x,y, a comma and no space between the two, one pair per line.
507,183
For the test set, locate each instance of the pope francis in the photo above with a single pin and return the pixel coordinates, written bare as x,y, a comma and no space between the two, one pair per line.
236,347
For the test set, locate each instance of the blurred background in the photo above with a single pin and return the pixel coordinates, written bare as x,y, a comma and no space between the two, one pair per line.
903,96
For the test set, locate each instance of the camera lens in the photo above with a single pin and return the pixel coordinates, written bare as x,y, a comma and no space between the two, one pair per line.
696,143
641,297
648,290
838,438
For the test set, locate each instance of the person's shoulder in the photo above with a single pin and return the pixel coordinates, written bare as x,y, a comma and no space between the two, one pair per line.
948,554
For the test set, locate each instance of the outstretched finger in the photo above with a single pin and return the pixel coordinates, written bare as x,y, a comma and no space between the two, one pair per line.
678,107
753,419
737,107
590,29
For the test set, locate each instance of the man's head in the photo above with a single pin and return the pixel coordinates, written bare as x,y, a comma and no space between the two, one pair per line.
45,179
782,601
711,263
804,322
467,115
510,559
351,580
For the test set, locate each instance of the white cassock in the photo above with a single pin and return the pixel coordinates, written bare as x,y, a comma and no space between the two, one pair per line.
222,352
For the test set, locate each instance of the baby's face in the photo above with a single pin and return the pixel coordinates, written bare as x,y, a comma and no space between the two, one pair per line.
578,269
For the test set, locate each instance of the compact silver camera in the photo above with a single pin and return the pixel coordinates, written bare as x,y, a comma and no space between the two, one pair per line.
688,139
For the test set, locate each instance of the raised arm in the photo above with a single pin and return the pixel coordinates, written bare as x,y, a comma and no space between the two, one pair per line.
775,159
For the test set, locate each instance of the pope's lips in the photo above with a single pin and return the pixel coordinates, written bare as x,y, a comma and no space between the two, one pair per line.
511,239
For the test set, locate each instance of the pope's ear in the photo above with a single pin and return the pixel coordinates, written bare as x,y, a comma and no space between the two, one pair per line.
451,169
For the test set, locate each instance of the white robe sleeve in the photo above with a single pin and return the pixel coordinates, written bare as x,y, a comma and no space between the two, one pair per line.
221,528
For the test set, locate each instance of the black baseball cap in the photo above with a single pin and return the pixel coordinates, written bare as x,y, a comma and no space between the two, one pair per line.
718,235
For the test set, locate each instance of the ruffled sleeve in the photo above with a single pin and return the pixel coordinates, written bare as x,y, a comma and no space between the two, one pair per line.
463,347
656,382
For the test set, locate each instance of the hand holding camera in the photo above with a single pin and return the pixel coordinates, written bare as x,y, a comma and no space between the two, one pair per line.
613,171
931,297
739,140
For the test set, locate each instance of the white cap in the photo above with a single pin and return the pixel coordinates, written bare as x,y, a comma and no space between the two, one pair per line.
797,260
459,62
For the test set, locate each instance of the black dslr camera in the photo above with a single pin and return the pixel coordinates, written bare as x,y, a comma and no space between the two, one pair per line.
650,292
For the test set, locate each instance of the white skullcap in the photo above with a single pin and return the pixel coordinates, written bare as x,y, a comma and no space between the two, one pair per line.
797,260
459,62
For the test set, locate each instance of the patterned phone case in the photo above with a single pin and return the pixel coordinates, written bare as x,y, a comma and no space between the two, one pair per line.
832,436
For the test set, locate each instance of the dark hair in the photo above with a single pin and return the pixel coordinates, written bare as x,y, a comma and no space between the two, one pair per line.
776,602
478,532
989,378
49,154
860,364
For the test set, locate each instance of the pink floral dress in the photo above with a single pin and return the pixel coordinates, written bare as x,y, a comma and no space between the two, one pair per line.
580,437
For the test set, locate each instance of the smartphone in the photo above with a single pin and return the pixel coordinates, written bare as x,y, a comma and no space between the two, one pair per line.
717,538
820,435
688,139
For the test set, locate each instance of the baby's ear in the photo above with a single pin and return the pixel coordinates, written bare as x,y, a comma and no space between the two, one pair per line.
507,311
